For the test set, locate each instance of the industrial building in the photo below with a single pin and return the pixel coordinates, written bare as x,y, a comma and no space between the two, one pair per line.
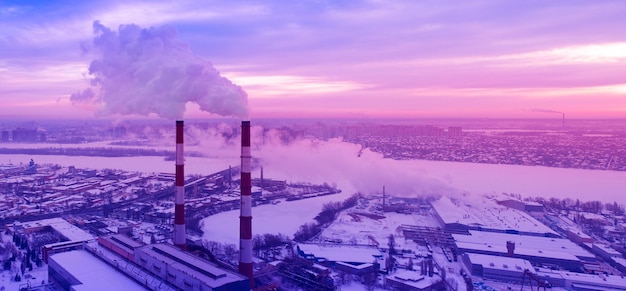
529,206
498,268
186,271
538,250
605,252
581,281
80,270
121,245
330,254
413,281
459,216
65,235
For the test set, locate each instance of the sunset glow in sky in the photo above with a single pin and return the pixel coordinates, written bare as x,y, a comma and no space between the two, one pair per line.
326,58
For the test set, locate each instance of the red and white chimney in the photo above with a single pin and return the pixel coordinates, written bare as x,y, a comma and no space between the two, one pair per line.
179,199
245,219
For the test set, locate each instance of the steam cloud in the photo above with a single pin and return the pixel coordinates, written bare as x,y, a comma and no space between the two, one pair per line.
149,71
331,161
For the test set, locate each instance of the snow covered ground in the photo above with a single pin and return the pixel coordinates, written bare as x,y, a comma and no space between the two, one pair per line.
351,227
285,217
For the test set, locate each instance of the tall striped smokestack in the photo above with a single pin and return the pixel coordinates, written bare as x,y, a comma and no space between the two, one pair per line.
245,219
179,199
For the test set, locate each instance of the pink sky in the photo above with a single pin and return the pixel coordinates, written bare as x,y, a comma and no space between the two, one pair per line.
352,59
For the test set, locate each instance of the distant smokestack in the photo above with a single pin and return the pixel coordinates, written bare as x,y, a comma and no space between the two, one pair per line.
245,219
383,198
230,175
563,119
261,179
431,269
510,248
179,200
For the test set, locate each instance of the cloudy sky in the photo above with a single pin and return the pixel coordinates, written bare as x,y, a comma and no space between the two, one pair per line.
328,58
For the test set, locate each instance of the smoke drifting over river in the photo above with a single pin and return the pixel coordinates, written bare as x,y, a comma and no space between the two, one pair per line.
333,161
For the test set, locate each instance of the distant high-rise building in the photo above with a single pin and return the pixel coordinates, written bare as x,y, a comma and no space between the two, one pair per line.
118,131
25,135
5,135
455,131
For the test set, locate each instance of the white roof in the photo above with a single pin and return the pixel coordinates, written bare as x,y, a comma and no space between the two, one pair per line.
607,249
93,273
487,214
414,279
537,246
68,230
203,270
501,263
341,253
610,282
620,261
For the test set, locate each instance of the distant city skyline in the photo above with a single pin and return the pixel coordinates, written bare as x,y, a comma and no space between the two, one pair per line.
355,59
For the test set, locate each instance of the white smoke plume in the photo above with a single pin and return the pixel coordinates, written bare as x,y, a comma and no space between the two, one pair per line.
334,161
146,71
337,161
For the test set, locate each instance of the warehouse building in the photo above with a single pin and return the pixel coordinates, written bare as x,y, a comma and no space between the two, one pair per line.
80,270
502,269
485,215
538,250
186,271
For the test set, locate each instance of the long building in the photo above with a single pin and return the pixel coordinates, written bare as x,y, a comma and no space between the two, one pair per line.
485,215
498,268
80,270
186,271
581,281
175,266
536,249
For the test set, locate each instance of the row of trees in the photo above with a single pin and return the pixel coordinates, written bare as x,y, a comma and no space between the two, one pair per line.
269,241
593,206
328,214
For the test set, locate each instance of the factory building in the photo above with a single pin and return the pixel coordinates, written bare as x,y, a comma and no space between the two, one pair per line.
67,236
538,250
528,206
581,281
186,271
80,270
413,281
174,266
121,245
498,268
485,215
330,254
605,252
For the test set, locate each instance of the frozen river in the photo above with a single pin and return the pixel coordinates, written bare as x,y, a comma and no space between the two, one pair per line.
439,177
442,177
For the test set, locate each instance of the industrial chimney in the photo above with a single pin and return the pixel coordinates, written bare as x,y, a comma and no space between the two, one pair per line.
261,184
179,200
431,269
510,248
245,219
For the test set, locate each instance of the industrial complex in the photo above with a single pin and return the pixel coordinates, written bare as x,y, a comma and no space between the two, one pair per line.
85,229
